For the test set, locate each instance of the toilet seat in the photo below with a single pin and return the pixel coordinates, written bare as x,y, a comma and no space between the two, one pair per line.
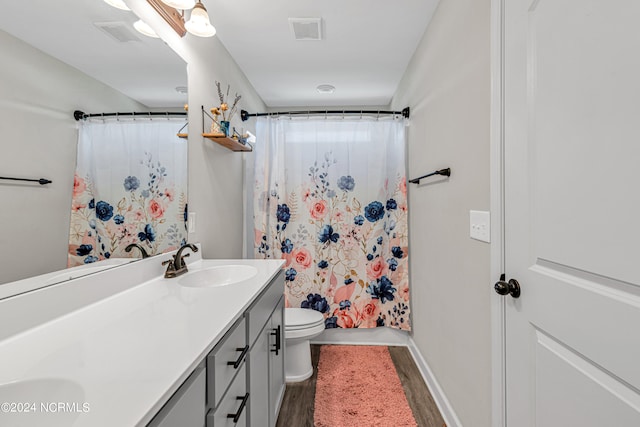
302,318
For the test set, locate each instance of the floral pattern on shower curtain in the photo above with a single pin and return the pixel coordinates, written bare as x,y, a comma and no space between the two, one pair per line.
330,198
130,186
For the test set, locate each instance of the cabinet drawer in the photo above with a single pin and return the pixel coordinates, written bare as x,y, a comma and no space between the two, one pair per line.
224,361
186,408
259,313
233,408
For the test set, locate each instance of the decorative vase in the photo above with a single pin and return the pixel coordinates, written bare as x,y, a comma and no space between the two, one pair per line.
225,127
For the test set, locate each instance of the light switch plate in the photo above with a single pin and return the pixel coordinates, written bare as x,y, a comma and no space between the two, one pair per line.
480,226
191,221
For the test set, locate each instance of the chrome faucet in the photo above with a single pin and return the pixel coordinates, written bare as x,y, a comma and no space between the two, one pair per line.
177,266
135,245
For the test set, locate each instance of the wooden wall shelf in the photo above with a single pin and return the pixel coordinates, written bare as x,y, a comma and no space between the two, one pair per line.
227,142
183,135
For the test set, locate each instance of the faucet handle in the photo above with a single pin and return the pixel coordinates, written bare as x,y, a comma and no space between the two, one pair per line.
168,261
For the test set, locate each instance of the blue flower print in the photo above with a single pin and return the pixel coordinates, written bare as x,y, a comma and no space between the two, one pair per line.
118,219
84,250
286,246
145,194
379,240
316,302
382,289
104,211
374,211
380,322
90,259
358,220
186,212
283,214
346,183
393,264
344,305
331,194
397,252
290,275
148,234
323,264
92,224
369,257
331,322
391,204
327,234
131,183
348,281
92,203
107,255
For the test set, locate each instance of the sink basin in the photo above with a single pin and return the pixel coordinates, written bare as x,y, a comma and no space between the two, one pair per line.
35,402
217,276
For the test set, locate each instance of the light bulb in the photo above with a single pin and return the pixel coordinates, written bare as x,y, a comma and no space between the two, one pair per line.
117,4
144,28
199,24
180,4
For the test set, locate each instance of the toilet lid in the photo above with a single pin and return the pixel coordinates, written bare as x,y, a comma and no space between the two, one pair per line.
295,318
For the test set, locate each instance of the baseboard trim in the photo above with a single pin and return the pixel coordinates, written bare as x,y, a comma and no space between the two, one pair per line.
439,397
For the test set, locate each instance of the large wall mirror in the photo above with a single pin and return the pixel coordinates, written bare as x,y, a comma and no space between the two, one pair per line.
66,55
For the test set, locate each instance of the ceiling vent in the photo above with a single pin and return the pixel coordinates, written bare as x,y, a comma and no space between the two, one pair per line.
119,31
306,28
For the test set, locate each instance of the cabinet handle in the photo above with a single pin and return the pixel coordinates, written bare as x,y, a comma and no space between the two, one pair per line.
236,416
238,362
278,344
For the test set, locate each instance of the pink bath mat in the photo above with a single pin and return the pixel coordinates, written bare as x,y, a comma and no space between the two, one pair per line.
358,386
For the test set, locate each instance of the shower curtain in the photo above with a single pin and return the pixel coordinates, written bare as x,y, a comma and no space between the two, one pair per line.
330,198
130,186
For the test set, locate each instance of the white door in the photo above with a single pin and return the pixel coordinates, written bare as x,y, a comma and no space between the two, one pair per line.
572,212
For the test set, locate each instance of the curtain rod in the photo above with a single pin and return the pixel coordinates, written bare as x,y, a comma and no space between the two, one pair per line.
244,115
79,115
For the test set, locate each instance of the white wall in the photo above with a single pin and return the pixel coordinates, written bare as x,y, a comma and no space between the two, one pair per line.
38,95
215,173
447,86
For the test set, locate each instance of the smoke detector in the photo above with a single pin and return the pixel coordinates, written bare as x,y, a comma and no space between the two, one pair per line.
326,88
306,28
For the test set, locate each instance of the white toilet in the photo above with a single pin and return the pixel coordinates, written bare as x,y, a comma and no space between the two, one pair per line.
301,324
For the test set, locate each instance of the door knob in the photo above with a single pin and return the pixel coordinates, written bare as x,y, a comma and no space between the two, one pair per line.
511,287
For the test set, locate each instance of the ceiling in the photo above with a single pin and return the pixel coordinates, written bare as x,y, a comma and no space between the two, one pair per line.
366,47
146,70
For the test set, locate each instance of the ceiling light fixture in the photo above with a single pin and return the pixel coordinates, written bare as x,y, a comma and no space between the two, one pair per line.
180,4
145,29
119,4
199,23
326,89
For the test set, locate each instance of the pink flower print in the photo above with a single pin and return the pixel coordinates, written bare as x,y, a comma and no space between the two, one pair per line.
347,318
138,215
403,186
319,209
369,313
305,194
156,209
78,186
376,268
344,293
403,291
76,205
338,216
302,257
169,194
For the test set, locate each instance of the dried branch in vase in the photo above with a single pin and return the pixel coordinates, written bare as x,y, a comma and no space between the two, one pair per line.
224,106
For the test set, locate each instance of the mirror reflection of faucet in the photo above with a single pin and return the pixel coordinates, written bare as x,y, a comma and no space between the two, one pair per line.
177,266
140,248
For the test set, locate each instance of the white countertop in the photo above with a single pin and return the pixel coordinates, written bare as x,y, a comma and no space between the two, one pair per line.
122,357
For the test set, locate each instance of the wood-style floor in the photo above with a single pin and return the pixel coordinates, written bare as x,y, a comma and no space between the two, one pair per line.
297,405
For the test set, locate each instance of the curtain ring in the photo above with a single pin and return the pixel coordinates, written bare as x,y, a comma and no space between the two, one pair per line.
308,114
150,119
378,117
117,118
342,114
326,114
167,113
360,114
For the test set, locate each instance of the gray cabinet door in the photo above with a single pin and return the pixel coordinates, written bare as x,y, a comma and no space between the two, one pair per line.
276,362
259,379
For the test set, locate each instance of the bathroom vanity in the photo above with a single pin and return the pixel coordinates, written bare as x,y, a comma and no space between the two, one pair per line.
127,347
